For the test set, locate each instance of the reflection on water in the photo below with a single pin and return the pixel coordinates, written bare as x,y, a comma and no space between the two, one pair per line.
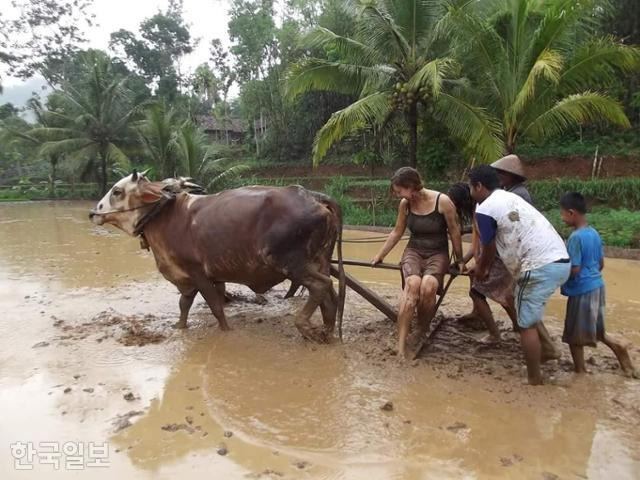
299,410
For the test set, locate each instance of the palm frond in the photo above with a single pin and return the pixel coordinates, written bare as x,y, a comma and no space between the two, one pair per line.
472,125
433,74
221,178
68,145
378,29
599,62
349,50
547,67
574,110
321,75
117,157
368,111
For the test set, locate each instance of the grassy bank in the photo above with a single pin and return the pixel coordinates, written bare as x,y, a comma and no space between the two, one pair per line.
615,202
25,192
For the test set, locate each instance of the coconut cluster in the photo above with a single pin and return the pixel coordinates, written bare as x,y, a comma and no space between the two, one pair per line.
404,97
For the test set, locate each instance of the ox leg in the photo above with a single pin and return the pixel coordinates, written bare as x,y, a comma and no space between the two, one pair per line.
318,285
329,309
186,300
214,297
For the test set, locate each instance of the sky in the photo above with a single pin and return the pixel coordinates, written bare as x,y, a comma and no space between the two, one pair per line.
207,19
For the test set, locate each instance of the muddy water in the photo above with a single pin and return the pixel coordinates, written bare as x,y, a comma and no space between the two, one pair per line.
86,313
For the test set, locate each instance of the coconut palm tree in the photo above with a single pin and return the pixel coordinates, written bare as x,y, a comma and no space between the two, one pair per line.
95,117
158,133
204,162
394,65
539,67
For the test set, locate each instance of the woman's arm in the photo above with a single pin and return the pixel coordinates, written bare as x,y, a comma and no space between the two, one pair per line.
448,209
396,233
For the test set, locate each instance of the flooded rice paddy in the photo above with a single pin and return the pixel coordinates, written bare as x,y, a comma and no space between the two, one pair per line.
87,354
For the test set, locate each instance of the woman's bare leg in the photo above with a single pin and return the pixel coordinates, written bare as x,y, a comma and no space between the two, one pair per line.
426,303
410,297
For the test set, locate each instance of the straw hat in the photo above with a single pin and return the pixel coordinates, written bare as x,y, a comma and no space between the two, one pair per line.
510,164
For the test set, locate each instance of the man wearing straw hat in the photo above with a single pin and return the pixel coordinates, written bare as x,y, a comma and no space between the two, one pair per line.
512,177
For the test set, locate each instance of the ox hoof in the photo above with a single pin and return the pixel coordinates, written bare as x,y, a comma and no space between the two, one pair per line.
313,334
179,325
225,328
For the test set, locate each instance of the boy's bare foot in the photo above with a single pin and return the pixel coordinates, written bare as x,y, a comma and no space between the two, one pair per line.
538,380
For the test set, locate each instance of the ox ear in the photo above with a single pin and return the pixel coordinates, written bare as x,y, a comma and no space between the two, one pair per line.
134,175
150,192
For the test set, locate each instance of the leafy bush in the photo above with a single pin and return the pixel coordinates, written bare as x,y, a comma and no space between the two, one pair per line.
618,228
614,193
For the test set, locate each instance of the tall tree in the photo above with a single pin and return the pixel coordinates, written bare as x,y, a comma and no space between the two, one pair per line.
205,85
227,76
540,68
202,161
395,66
165,39
159,135
96,116
37,36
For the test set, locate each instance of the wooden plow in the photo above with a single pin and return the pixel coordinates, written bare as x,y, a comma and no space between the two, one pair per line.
385,307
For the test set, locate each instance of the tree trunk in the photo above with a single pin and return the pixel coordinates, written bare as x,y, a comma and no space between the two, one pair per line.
511,141
103,170
226,126
52,179
412,119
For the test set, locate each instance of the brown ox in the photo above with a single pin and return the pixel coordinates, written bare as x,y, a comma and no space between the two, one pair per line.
255,236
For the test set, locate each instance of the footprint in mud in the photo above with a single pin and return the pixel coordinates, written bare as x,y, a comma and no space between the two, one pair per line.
128,330
124,421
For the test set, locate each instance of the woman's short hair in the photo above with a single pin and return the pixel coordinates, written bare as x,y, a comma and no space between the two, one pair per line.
407,177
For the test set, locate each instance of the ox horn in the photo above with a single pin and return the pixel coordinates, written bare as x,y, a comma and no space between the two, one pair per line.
144,174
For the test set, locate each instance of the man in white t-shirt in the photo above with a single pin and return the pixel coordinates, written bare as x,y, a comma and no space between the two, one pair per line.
530,248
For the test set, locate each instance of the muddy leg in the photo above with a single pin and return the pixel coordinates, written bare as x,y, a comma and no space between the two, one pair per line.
548,348
481,306
318,285
577,354
531,349
211,293
510,308
473,314
222,290
186,300
426,304
292,290
622,354
329,308
408,305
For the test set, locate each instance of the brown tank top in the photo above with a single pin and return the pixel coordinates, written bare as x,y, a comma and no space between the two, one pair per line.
428,232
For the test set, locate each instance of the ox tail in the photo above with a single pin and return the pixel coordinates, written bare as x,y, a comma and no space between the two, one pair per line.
335,209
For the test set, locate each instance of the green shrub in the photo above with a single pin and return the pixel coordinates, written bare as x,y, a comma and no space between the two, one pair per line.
618,228
614,193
